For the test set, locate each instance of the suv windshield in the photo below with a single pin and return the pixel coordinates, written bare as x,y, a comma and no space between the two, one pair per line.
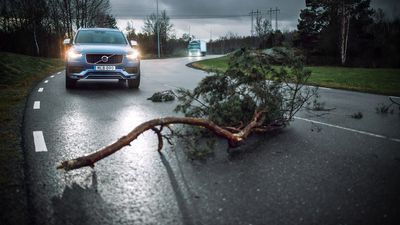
194,45
100,37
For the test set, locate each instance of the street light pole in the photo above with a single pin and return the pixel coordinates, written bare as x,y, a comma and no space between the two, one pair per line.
158,33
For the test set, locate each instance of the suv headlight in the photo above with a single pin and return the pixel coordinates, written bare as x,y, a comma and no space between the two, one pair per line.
72,54
133,55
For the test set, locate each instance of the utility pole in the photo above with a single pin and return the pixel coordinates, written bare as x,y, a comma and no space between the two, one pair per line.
271,12
270,15
158,33
276,18
258,14
258,17
253,13
252,23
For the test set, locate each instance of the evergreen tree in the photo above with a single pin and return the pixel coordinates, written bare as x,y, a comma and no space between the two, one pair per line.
334,29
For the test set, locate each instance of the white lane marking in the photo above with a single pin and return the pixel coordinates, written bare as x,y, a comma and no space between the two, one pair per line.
40,90
46,81
52,76
325,88
59,73
349,129
170,86
38,139
36,105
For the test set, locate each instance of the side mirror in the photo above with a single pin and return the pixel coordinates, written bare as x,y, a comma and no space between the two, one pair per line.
134,43
67,41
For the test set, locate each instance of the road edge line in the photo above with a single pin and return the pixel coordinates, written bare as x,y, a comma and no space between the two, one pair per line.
349,129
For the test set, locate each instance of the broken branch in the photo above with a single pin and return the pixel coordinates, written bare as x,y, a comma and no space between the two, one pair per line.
233,138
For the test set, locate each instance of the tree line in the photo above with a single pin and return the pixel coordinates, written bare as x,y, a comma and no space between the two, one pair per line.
329,32
171,45
348,32
39,27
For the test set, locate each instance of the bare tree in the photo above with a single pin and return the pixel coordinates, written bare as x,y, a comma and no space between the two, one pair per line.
263,26
165,28
89,13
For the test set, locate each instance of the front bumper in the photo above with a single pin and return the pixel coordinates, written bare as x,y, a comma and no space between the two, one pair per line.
194,53
125,71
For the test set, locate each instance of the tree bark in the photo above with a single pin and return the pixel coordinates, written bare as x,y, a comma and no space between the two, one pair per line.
36,41
233,138
345,27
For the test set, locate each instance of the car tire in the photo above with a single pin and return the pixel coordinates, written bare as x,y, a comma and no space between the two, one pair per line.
69,83
134,83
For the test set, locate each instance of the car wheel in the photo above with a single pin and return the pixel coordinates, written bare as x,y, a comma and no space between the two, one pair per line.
69,83
134,83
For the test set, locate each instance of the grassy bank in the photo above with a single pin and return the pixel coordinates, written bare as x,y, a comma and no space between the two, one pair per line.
379,81
18,74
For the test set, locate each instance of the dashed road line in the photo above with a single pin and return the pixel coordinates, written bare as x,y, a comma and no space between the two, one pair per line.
40,89
46,81
59,73
349,129
38,139
52,76
36,105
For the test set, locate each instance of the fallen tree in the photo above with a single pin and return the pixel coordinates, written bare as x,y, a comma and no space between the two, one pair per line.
251,96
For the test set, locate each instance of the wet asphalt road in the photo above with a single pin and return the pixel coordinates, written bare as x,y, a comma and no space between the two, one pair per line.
307,174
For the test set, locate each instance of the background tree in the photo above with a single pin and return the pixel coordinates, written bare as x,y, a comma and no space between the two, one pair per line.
162,22
310,25
262,26
89,13
38,27
334,29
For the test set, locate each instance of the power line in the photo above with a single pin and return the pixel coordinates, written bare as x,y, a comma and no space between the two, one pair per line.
184,16
271,12
276,18
258,13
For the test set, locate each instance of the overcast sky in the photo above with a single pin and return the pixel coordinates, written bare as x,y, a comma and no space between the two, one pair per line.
215,18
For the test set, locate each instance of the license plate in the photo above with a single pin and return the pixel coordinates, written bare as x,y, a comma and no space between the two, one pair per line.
104,68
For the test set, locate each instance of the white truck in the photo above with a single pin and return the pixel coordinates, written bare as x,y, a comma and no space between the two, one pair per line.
197,48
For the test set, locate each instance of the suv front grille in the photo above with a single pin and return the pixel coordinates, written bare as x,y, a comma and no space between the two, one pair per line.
96,58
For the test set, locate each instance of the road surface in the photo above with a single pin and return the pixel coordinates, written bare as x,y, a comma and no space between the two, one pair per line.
329,169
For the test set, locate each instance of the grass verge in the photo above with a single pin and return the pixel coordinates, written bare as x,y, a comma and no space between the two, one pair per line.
378,81
18,74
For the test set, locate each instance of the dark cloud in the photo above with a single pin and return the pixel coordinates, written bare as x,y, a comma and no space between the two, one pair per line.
390,7
182,13
202,8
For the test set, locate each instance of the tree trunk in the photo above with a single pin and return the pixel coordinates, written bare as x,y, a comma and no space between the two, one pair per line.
36,42
345,27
